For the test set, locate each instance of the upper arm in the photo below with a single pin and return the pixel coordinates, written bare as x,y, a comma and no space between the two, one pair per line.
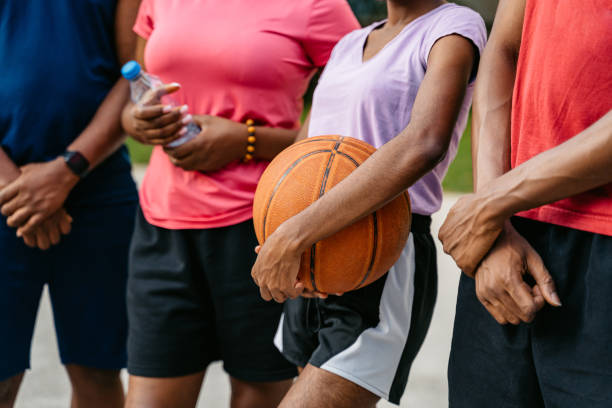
124,36
507,28
442,90
141,44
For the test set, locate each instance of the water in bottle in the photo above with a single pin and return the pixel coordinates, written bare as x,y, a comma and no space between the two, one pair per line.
140,83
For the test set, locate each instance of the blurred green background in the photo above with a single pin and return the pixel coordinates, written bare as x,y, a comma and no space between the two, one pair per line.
459,177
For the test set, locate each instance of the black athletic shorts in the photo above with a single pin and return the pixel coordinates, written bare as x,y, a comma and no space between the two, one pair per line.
563,359
191,301
369,336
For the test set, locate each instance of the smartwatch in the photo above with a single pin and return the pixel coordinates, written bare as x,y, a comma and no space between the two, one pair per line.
76,162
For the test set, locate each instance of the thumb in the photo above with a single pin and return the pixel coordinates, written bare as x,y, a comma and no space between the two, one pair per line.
153,96
257,248
545,283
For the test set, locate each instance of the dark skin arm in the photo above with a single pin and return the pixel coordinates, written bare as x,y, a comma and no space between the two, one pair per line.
42,188
477,221
511,257
413,153
220,142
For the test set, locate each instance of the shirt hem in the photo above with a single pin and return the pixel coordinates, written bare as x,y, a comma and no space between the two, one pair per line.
223,221
597,224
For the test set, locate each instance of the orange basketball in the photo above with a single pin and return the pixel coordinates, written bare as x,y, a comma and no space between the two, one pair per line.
353,257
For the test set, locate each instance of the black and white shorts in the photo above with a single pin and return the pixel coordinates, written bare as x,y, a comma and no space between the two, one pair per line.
369,336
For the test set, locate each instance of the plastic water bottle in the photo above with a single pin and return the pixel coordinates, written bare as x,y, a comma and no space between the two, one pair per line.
140,83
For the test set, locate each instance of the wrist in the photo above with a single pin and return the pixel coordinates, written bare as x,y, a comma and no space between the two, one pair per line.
497,202
294,235
63,174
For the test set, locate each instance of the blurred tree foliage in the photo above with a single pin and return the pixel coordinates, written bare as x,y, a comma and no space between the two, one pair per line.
369,11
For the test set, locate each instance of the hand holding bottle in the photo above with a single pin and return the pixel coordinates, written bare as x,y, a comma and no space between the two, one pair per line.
149,119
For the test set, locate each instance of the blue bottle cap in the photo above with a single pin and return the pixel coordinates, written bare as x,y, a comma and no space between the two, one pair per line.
130,70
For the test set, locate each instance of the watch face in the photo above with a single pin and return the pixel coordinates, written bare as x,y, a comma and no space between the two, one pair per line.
76,162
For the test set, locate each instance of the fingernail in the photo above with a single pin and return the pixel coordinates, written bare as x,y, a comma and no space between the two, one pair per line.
175,84
187,119
555,298
184,109
182,131
167,108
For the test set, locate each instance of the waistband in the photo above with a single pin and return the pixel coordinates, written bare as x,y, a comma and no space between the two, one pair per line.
421,224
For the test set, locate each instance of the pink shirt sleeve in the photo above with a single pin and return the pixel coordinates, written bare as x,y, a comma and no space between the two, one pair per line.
329,21
144,20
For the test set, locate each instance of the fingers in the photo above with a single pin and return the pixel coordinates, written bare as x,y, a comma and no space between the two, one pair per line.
188,163
522,297
33,222
42,240
278,296
53,232
153,117
166,134
30,240
544,281
12,205
498,314
155,94
147,113
65,224
494,298
183,151
19,217
265,293
8,193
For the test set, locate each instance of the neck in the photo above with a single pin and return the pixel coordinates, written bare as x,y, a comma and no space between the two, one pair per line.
401,12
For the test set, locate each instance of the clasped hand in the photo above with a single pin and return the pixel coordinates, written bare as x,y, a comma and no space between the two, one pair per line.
33,203
486,247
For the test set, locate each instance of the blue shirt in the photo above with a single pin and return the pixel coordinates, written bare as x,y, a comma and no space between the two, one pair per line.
58,62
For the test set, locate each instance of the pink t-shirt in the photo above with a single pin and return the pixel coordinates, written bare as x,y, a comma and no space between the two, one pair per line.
235,59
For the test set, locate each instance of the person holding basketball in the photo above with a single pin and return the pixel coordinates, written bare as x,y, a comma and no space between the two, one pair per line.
533,325
243,68
403,85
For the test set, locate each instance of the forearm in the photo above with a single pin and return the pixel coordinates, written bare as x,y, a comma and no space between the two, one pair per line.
8,170
492,101
103,136
271,141
578,165
491,121
369,187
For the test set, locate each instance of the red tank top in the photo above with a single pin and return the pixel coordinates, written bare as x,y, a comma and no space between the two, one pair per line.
563,85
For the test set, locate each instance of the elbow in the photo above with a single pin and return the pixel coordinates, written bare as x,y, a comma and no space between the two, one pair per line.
434,150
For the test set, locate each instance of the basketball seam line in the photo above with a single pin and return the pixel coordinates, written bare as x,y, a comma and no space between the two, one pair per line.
313,249
278,183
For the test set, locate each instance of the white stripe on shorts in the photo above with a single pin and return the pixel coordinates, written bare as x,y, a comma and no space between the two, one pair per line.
372,361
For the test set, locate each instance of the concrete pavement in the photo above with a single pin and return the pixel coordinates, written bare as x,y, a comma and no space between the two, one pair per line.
46,385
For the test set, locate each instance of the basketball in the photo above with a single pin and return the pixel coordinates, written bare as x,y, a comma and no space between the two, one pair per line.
353,257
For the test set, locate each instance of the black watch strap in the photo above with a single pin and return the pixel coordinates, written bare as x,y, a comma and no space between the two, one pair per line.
76,162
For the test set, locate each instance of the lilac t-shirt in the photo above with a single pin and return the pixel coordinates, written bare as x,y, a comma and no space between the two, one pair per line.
373,100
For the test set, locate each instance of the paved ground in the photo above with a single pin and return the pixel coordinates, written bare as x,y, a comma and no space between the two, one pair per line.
46,385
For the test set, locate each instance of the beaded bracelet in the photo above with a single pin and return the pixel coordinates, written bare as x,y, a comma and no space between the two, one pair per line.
251,139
